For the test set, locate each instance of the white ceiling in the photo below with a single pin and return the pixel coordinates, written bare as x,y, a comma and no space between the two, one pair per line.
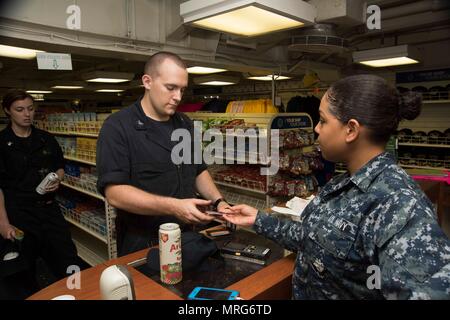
126,45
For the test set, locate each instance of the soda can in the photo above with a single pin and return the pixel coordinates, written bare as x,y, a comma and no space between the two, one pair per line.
170,253
48,180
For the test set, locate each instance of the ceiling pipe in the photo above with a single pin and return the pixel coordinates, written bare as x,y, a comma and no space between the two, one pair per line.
412,22
413,8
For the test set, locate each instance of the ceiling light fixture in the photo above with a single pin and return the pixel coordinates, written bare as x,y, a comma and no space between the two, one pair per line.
247,18
269,78
67,87
204,70
108,76
388,56
110,90
18,52
216,80
39,91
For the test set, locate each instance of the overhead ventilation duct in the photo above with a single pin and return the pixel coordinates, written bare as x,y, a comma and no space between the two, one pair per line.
320,38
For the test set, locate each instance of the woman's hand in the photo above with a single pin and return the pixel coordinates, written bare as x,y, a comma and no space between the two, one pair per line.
224,208
7,231
53,186
242,215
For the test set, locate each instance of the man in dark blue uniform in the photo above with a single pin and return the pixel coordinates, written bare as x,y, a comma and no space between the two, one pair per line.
27,155
135,169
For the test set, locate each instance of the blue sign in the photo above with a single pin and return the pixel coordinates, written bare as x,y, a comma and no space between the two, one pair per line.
423,76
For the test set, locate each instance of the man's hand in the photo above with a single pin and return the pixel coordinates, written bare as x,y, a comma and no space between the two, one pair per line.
242,215
187,211
224,207
7,231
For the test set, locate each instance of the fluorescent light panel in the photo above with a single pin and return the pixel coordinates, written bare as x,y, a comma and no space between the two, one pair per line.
108,80
247,18
108,77
38,91
249,21
67,87
389,62
203,70
216,80
18,52
217,83
388,56
110,90
268,78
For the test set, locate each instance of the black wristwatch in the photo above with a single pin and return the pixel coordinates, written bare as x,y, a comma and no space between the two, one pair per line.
216,203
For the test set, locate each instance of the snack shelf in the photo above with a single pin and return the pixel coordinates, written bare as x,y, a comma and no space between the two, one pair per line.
229,185
79,189
426,145
91,232
424,141
79,160
74,133
421,163
422,167
295,137
93,252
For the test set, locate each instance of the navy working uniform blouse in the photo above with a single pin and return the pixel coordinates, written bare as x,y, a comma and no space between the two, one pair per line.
372,235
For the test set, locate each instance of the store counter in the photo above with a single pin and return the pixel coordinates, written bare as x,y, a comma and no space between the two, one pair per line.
252,281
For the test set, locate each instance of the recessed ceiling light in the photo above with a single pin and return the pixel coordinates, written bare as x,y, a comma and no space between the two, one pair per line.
216,83
204,70
109,90
269,78
216,80
108,76
39,91
67,87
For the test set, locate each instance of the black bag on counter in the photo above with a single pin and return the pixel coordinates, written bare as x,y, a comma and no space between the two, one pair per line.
195,249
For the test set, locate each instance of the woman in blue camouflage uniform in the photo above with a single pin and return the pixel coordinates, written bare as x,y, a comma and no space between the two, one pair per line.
370,233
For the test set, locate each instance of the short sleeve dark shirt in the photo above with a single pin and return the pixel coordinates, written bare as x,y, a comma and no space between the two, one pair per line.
24,162
135,150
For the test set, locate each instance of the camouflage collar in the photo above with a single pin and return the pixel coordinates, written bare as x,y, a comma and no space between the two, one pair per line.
363,177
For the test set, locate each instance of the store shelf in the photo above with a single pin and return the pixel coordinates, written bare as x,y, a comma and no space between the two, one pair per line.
229,185
73,133
235,158
427,145
79,160
422,167
93,252
89,193
435,101
234,198
84,228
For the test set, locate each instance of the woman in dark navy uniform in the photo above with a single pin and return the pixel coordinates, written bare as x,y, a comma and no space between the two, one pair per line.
27,155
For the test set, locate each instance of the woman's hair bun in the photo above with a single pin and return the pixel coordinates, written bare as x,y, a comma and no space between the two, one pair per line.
410,104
